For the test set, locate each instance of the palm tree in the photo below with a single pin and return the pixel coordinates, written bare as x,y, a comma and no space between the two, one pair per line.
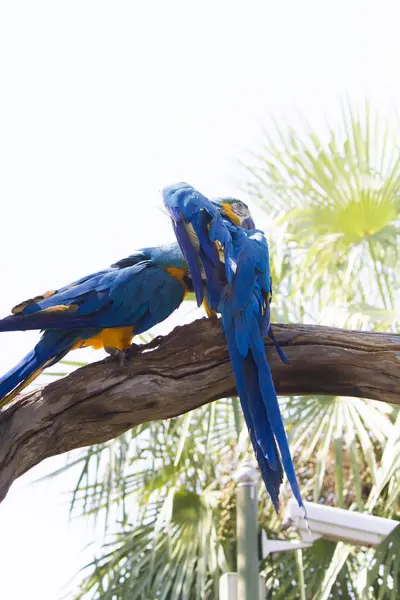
333,202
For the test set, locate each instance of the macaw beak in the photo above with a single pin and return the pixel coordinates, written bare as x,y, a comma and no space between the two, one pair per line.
248,223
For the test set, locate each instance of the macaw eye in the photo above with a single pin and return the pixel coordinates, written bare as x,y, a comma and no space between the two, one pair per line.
241,208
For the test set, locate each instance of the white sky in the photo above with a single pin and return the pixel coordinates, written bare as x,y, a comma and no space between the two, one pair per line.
104,103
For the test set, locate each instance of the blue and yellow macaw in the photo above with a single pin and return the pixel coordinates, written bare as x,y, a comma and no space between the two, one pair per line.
102,310
221,245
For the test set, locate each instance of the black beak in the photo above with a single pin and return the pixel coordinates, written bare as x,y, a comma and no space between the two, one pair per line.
248,223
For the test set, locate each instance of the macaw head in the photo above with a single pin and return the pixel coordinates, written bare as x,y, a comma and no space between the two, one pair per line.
236,211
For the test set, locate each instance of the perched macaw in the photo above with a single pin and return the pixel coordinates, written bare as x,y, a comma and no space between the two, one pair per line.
233,257
102,310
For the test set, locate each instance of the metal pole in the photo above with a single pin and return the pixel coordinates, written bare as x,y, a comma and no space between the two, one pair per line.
247,532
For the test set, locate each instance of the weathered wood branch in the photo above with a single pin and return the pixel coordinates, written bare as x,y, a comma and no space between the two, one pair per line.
189,368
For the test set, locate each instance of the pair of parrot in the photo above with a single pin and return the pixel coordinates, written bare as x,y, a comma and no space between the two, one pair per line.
224,260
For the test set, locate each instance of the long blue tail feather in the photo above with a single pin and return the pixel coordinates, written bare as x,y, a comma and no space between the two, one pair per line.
51,348
258,396
256,417
272,478
259,415
270,399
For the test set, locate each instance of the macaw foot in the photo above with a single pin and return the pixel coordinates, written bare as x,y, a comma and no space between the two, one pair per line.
123,355
120,355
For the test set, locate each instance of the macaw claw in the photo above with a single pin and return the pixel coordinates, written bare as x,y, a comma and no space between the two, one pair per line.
123,355
120,355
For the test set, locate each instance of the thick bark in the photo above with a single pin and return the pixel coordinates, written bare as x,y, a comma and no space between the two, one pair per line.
189,368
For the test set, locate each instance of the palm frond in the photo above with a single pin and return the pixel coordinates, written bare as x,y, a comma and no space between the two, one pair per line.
337,194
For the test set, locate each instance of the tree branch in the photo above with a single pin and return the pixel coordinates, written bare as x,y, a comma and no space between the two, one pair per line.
189,368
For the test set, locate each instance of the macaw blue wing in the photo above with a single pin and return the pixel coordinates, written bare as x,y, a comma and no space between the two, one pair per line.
112,298
199,226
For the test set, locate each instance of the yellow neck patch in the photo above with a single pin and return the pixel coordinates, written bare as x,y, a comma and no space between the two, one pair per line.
230,214
177,273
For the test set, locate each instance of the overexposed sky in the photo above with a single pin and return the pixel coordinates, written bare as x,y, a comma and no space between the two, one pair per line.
104,103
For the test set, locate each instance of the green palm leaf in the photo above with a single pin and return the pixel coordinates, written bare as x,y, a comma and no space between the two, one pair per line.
337,444
338,196
383,579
